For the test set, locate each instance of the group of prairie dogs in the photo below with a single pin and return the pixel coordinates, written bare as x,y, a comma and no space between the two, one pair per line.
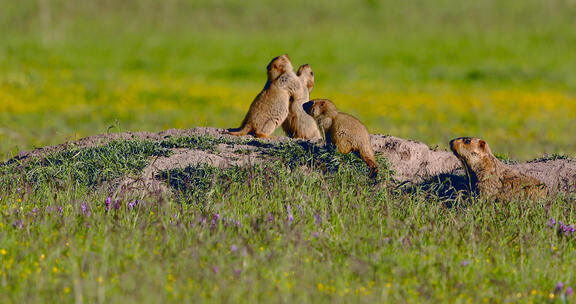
285,100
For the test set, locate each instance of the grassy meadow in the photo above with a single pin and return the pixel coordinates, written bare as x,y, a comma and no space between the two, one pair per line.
423,70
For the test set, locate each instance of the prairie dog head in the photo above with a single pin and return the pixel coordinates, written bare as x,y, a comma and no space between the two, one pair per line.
318,107
306,76
470,150
279,66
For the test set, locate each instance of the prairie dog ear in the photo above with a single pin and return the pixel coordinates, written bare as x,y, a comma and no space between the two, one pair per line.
301,69
482,144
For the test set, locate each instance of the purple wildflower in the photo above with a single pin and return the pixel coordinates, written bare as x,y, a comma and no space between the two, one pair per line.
559,286
215,269
18,224
464,263
107,204
569,291
233,248
85,209
177,219
215,219
60,210
34,210
270,217
238,272
565,229
551,222
301,209
132,204
317,219
290,216
117,204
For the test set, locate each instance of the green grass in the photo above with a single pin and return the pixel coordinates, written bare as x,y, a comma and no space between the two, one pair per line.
275,233
94,165
425,70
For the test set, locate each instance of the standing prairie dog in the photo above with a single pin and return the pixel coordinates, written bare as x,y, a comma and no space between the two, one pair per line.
299,124
489,176
270,107
343,130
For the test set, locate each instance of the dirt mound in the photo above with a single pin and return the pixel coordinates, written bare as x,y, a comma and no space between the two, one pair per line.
557,174
102,139
412,162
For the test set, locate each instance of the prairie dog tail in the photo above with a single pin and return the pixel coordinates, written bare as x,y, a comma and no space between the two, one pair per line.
368,156
244,130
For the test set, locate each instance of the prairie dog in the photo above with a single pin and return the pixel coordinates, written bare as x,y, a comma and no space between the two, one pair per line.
299,124
343,130
492,178
270,107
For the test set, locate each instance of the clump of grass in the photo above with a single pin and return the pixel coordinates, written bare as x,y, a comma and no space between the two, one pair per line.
325,157
198,182
505,159
87,166
554,156
200,142
195,182
94,165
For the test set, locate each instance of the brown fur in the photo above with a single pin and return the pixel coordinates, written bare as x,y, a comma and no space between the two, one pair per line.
299,124
492,178
343,130
270,108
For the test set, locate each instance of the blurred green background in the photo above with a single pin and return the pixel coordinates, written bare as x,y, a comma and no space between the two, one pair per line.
425,70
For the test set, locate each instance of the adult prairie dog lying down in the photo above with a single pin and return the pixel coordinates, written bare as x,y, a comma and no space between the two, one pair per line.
343,130
492,178
270,107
